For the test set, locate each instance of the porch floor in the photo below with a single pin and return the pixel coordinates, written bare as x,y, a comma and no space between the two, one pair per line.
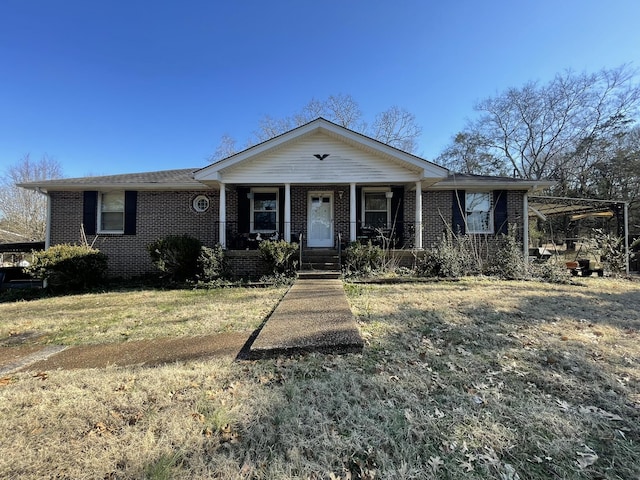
314,315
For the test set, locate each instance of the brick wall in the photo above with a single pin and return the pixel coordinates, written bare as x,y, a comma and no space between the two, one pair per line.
246,264
158,214
164,213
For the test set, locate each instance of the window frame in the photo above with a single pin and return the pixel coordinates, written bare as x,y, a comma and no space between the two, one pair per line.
101,230
490,220
384,191
253,211
196,201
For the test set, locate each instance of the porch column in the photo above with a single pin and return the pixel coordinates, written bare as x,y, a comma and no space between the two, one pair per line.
287,212
525,231
418,241
352,213
222,217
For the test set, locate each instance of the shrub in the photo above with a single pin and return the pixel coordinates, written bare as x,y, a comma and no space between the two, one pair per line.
611,249
177,256
451,258
363,259
211,264
279,255
69,267
508,263
550,272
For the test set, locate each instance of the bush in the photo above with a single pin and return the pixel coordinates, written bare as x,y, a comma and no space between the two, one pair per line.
451,258
69,268
177,256
550,272
508,262
211,264
279,255
363,259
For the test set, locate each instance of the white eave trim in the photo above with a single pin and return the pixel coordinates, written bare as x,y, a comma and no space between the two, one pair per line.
49,187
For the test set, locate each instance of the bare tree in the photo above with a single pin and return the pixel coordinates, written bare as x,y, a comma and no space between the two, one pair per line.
24,212
555,130
395,126
467,154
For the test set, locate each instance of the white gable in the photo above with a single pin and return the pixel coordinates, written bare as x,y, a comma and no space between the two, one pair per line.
348,157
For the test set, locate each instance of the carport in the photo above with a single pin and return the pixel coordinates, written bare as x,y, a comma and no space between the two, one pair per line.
578,208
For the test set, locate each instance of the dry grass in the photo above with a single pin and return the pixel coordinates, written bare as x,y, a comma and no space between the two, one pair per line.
134,315
473,379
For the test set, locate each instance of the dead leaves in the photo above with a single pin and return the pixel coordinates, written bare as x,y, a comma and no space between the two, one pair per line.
589,410
586,458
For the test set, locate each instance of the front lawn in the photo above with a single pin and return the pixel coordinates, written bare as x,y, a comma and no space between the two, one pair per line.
472,379
118,316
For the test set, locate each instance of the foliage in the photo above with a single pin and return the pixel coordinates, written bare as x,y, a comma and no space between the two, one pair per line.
177,256
550,272
363,259
507,262
211,264
455,256
611,249
279,255
24,212
69,267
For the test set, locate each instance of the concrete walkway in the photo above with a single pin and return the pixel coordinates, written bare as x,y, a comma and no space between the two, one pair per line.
314,315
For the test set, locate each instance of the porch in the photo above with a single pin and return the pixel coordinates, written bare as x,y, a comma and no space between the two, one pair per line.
320,216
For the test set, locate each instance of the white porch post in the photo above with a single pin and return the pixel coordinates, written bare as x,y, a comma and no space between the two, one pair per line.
222,217
352,213
525,230
287,212
418,241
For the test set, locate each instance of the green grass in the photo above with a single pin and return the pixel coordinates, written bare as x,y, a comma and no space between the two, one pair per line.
473,379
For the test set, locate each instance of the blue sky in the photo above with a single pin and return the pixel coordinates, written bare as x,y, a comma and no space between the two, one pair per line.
122,86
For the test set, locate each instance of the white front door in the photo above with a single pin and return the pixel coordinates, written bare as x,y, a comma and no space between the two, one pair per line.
320,219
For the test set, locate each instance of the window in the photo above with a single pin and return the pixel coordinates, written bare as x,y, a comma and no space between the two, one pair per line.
264,211
478,211
201,203
376,209
111,211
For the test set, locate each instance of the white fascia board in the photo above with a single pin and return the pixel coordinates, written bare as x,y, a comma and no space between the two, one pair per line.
488,184
116,186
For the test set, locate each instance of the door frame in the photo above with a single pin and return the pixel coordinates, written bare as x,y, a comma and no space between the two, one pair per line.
322,194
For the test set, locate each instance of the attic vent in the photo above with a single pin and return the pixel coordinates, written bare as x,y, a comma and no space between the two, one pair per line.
321,156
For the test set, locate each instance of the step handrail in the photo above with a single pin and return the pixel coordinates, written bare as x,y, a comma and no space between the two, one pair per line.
300,249
340,251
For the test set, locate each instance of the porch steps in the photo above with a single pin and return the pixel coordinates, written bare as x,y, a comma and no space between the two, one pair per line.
321,259
319,275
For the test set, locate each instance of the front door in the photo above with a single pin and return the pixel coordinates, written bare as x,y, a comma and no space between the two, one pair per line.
320,219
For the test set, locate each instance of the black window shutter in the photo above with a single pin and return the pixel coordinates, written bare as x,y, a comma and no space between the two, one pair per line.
500,220
244,207
397,213
90,212
458,209
281,212
358,210
130,209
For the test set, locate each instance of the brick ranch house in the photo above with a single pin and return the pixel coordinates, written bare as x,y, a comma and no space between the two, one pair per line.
319,184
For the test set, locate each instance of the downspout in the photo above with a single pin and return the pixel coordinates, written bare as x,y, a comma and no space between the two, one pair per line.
525,231
626,237
47,232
